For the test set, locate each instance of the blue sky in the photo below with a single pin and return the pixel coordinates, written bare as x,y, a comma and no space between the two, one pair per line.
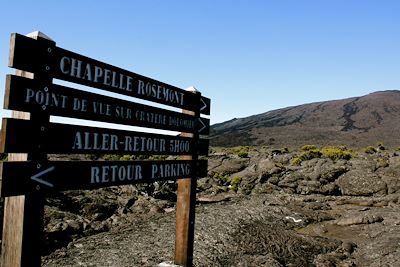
249,57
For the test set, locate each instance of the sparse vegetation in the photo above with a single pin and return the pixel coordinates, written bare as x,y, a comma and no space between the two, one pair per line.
336,153
331,152
243,154
308,147
260,187
242,151
221,177
236,180
370,150
306,155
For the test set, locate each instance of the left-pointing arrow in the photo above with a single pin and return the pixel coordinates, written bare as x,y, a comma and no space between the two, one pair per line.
37,176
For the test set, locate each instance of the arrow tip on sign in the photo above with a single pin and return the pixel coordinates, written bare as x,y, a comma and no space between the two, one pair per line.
204,125
204,105
193,89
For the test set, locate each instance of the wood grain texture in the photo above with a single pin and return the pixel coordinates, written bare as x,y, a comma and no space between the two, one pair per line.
185,209
15,208
11,246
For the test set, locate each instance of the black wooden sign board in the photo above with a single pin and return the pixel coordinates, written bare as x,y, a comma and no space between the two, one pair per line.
29,95
24,136
70,175
38,56
38,137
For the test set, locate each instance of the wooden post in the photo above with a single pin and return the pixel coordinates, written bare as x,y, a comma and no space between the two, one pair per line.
185,205
23,215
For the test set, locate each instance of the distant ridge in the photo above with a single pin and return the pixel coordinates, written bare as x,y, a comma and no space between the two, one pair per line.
354,122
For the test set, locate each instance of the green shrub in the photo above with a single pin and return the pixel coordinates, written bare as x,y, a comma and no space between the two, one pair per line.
336,153
242,151
236,180
308,147
306,155
221,177
243,154
331,152
370,150
296,161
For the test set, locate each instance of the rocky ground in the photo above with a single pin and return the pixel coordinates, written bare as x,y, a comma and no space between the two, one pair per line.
255,208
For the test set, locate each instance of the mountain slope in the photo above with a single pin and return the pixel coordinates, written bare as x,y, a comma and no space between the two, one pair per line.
355,122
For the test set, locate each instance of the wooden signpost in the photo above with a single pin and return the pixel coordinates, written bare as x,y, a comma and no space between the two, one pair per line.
34,176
